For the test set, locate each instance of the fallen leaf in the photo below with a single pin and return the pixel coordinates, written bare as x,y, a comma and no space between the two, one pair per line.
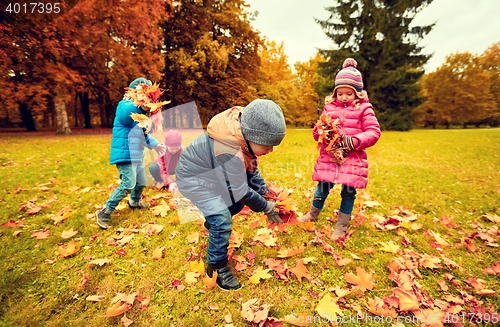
290,253
328,307
300,270
193,238
125,321
144,301
69,249
158,253
407,301
117,309
197,266
151,229
191,277
95,298
362,278
369,250
41,234
235,240
260,273
127,298
121,252
69,233
99,262
161,210
390,247
264,235
210,282
125,240
252,311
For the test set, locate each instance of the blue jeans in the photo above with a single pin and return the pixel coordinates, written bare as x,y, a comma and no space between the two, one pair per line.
154,169
348,195
133,181
220,232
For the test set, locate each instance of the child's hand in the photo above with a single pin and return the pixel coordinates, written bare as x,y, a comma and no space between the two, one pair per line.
348,144
160,149
272,216
173,188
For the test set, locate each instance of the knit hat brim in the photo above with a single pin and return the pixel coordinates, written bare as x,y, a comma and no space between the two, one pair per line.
360,95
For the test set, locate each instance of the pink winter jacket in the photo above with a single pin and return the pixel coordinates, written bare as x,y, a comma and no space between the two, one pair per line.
356,121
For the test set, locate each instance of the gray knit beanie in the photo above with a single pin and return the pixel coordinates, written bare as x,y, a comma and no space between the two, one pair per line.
262,122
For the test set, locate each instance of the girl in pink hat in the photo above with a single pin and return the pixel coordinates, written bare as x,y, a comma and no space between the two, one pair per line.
164,165
359,129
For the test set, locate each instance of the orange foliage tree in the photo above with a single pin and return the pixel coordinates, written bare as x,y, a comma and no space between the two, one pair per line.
459,92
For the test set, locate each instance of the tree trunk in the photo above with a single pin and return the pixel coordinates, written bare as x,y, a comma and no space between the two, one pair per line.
27,117
84,98
61,116
76,109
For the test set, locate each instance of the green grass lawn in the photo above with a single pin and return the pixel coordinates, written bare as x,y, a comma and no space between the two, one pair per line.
435,174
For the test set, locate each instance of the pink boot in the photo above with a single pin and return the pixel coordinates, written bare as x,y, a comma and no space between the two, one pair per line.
312,215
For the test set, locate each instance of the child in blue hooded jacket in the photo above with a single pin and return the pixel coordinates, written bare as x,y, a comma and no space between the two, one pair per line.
127,152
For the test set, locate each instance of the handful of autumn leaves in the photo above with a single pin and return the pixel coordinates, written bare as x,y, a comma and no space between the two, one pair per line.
146,96
284,206
330,136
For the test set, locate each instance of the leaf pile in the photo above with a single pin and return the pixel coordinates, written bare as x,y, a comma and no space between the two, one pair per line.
284,206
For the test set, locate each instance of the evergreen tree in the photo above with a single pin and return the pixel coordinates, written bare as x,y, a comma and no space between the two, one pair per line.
379,36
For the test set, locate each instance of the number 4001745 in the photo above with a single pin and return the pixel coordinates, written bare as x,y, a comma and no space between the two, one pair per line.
472,318
33,8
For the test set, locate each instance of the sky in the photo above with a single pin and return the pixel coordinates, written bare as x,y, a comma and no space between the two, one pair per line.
461,25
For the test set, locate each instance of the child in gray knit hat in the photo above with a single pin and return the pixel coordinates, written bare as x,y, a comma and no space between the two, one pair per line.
218,173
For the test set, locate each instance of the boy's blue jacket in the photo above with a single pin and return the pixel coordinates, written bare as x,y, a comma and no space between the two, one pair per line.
129,139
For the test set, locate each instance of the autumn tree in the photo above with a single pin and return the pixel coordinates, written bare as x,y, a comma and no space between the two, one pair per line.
459,92
379,35
311,103
490,62
210,55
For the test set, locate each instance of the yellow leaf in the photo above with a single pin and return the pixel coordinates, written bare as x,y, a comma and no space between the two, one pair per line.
142,119
191,277
327,307
95,298
158,252
197,266
390,247
260,273
99,262
290,253
155,106
161,210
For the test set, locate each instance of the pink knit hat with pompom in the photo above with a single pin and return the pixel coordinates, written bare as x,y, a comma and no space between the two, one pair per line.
173,138
349,76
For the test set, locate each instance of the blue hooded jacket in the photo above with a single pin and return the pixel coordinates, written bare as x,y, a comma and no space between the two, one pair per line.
129,139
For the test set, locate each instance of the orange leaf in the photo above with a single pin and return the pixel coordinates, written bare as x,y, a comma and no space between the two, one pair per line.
117,309
264,235
362,278
290,253
210,282
369,250
407,301
144,301
68,250
235,240
300,271
158,253
13,223
308,226
254,224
